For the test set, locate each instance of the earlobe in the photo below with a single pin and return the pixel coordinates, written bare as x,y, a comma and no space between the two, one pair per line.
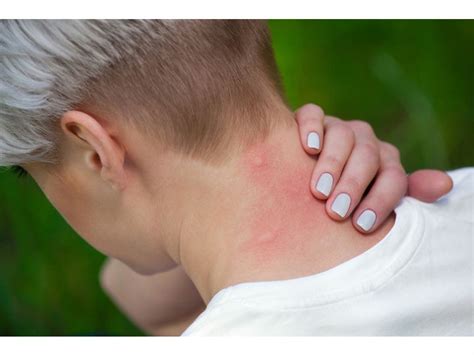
96,147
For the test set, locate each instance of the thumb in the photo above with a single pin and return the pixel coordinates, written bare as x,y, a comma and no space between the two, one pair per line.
429,185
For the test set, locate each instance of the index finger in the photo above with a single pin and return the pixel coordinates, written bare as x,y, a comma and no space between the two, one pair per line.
310,119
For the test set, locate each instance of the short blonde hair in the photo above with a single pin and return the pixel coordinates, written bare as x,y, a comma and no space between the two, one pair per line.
195,84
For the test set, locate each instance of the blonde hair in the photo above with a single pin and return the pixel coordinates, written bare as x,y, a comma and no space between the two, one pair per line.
195,84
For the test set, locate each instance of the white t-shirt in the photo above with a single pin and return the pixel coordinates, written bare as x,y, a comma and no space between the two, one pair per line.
418,280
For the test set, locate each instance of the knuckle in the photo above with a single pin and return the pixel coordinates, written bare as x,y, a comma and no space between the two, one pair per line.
333,119
333,161
343,132
370,151
377,202
394,171
398,177
362,126
391,150
353,184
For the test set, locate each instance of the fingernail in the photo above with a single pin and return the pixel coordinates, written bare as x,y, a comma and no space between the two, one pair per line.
366,220
324,184
313,140
341,204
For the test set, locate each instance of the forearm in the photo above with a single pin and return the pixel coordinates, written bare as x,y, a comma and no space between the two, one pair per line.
161,304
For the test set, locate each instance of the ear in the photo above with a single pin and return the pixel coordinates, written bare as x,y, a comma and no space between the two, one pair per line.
100,151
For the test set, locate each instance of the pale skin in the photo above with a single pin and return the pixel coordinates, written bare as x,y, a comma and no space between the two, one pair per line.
198,228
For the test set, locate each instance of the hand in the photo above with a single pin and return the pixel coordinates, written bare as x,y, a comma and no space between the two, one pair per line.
354,158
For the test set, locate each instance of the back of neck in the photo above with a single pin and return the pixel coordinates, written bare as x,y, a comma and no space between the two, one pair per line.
267,225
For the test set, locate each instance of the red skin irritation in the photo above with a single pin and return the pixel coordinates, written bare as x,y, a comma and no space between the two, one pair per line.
284,205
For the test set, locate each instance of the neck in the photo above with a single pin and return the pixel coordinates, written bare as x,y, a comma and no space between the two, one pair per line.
256,220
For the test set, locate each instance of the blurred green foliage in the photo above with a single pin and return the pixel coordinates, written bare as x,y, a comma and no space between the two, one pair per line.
412,80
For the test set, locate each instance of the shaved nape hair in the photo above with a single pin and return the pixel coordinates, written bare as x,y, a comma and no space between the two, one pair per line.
197,85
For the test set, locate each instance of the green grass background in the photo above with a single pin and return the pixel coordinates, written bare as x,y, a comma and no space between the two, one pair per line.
412,80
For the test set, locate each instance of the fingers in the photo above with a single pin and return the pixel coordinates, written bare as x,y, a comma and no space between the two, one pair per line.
339,141
310,119
429,185
358,172
352,159
388,189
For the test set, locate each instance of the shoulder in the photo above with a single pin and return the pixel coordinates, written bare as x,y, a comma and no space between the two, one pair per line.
221,320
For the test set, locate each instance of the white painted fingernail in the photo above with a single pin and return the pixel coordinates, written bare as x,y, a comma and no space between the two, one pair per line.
324,184
341,204
366,220
313,140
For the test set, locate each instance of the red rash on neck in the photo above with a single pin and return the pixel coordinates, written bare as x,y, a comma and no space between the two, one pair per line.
284,207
